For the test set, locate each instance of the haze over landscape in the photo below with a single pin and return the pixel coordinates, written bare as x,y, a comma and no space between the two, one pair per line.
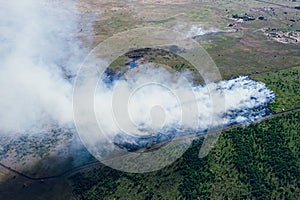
43,45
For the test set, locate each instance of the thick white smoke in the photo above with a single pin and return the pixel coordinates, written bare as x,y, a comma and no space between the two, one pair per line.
156,112
38,51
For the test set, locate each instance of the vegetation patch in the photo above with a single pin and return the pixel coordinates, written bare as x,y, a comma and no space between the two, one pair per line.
158,56
286,85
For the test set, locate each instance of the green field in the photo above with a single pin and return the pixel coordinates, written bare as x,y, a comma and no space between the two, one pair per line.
286,85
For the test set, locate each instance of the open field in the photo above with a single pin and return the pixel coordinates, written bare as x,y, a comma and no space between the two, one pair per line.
249,46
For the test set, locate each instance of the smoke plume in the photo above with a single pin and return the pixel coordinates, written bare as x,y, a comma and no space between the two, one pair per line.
39,51
155,111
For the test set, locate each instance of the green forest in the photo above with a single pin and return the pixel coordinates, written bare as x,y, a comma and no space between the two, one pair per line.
286,85
259,161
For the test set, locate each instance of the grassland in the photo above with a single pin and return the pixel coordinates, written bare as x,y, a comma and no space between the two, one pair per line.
245,52
243,56
160,57
286,85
